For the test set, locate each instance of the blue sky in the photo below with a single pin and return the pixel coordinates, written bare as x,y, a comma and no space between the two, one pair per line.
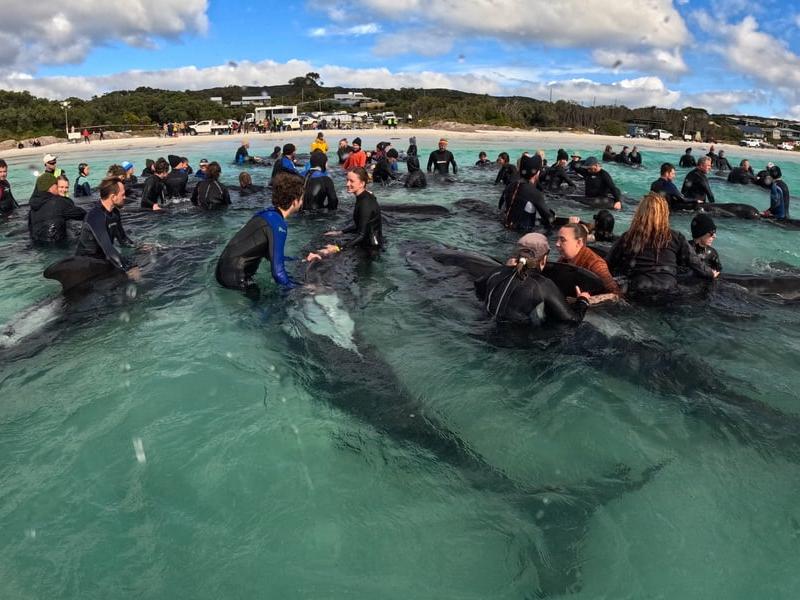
725,56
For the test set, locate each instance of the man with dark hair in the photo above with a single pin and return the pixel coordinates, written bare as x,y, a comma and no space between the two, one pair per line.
286,163
50,211
743,174
103,225
687,160
263,236
696,186
7,201
154,191
665,186
598,182
178,177
441,160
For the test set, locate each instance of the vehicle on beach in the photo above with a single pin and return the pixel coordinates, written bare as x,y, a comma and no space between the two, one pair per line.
659,134
209,127
786,146
750,143
635,131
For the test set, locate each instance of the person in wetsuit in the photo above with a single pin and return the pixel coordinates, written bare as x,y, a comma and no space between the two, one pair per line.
522,199
608,154
507,172
599,184
665,185
704,232
778,196
50,211
635,157
687,161
441,160
383,172
343,151
415,178
276,153
483,160
263,236
154,192
286,163
650,253
367,223
148,170
178,178
210,194
242,155
202,169
604,226
7,201
103,225
624,157
412,149
575,163
521,294
82,189
319,189
721,163
743,174
556,176
246,186
695,186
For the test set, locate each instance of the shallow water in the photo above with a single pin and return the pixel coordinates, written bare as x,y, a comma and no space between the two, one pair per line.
172,439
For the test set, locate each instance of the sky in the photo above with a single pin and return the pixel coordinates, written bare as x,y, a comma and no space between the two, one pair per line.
733,56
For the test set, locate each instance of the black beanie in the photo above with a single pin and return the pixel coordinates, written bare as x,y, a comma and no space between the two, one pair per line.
174,160
392,153
701,225
357,142
562,155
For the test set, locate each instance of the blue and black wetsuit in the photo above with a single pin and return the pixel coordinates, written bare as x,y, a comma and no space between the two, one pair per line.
284,165
263,236
96,240
82,188
670,192
242,155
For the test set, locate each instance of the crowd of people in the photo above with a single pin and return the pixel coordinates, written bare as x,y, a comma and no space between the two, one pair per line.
645,261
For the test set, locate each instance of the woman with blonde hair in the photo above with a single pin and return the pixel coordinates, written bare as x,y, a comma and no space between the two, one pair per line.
649,253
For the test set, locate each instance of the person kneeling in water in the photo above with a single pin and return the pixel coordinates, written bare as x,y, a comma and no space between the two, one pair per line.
263,236
571,243
704,231
520,293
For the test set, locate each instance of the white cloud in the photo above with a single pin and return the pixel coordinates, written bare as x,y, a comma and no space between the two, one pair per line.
425,42
52,32
657,60
642,91
726,101
354,30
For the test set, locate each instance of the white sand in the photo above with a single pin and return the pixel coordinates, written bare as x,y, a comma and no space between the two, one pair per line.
262,143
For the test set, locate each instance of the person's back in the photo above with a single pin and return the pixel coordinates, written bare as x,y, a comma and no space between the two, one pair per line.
415,178
153,192
176,183
210,194
383,171
651,270
320,192
49,213
687,161
740,175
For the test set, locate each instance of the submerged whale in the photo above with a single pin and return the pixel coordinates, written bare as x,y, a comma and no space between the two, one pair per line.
337,364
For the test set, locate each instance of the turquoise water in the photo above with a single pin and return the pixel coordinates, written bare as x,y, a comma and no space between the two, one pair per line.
169,439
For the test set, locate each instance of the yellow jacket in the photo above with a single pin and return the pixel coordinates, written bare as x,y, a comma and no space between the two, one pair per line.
319,144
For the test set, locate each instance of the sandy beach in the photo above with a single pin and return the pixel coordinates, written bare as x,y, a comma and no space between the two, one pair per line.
425,138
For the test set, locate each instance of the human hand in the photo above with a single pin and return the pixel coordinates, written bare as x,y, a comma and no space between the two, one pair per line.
617,205
134,274
332,233
574,219
156,207
585,295
715,273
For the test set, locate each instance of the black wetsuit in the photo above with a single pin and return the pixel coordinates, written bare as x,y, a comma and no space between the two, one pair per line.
741,176
687,161
623,158
441,161
654,271
176,182
696,186
609,156
342,153
554,177
242,155
100,229
47,219
367,223
506,174
722,164
674,198
210,194
708,256
81,188
247,191
415,178
284,165
535,299
153,192
7,201
520,202
319,192
636,159
600,184
383,171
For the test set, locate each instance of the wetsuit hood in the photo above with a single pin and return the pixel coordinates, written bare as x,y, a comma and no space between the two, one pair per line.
39,200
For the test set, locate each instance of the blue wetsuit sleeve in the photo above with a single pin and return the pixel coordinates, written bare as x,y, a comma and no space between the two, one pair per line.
776,203
279,234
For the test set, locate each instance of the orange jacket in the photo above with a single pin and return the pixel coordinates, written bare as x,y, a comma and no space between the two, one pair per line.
589,260
356,159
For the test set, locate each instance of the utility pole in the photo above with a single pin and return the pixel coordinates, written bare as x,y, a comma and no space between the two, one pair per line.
65,105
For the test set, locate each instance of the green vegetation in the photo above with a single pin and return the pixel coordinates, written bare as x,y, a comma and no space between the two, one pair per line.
23,115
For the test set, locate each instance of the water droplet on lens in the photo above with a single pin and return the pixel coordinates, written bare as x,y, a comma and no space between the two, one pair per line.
138,448
229,355
272,367
125,316
283,399
30,534
540,514
131,291
126,367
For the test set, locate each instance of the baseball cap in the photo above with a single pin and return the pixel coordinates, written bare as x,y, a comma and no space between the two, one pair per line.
48,158
536,243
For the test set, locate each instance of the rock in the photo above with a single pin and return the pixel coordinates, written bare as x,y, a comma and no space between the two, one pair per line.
8,144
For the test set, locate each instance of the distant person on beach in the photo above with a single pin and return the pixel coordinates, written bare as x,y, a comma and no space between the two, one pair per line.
82,188
85,133
687,160
441,160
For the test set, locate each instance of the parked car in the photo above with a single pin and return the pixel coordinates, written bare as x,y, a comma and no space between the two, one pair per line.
786,146
659,134
634,131
750,143
209,127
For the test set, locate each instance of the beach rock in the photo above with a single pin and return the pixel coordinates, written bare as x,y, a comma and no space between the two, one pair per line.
44,140
8,144
112,135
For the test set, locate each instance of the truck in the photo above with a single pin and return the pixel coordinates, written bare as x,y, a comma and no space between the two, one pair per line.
209,127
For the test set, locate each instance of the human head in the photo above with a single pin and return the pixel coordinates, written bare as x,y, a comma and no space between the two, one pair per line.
213,170
149,163
481,155
624,148
571,240
704,164
604,226
174,161
532,251
287,193
575,157
668,171
703,230
62,185
529,166
562,155
442,144
112,193
320,135
745,164
650,224
392,155
503,158
116,171
246,143
161,168
356,144
3,170
343,143
245,180
49,161
775,172
592,165
203,164
357,180
83,169
634,149
688,151
608,148
319,159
